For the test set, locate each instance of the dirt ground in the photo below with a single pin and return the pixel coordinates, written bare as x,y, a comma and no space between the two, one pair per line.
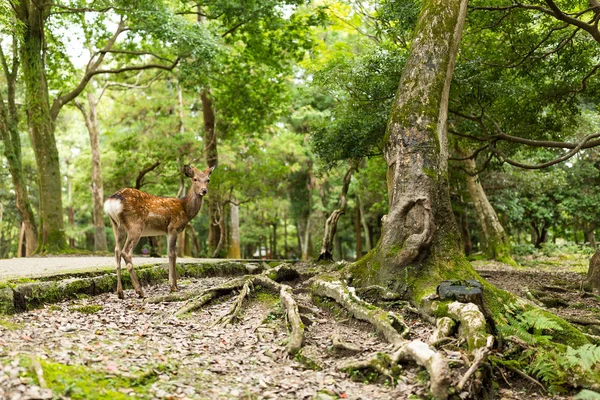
105,348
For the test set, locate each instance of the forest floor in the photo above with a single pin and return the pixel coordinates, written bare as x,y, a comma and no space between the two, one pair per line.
104,348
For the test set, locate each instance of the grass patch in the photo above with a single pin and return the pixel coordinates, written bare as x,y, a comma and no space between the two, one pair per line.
87,309
9,325
79,382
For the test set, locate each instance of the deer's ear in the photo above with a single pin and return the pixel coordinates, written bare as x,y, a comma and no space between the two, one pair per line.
188,171
210,170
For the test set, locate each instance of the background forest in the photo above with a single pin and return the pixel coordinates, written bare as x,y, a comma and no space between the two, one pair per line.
288,98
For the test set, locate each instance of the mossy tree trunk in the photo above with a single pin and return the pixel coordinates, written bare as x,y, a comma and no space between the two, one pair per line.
90,116
496,243
51,232
419,235
9,134
420,244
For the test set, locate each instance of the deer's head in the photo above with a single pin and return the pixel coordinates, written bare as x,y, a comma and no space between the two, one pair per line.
199,178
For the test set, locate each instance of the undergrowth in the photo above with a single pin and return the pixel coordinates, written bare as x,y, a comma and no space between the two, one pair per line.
556,365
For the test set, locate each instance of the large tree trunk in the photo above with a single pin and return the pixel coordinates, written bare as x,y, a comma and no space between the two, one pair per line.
420,245
41,126
9,134
91,123
420,232
495,241
331,223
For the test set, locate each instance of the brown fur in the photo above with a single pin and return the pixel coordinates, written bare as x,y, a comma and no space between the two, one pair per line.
142,214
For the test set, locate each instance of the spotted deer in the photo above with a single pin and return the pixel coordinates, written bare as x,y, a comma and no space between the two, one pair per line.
141,214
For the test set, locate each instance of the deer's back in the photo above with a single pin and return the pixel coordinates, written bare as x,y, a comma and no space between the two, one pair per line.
152,214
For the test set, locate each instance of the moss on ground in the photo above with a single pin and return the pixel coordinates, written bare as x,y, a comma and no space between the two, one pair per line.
79,382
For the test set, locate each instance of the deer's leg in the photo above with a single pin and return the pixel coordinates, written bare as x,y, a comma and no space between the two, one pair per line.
172,245
127,253
118,259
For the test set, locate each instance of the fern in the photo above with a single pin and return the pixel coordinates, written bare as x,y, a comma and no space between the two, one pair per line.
553,364
587,395
585,356
538,321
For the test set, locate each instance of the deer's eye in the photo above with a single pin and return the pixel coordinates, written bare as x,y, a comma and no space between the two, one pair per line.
195,180
208,180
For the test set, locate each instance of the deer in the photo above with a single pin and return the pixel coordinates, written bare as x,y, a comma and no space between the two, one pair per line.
141,214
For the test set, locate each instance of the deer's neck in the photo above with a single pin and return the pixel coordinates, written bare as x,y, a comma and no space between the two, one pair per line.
192,204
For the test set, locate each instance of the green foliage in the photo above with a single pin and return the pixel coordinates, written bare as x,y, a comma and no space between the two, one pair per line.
556,365
587,395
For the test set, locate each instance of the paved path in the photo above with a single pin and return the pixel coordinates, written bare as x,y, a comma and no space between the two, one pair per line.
44,266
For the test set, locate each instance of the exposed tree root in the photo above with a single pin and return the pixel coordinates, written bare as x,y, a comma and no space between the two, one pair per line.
235,309
268,280
436,365
444,328
394,330
472,325
480,357
380,363
389,324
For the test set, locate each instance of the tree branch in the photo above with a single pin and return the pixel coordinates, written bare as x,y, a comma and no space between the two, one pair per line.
565,157
89,73
142,174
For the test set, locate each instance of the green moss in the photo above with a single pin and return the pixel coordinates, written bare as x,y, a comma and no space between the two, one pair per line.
266,297
9,325
87,309
306,361
79,382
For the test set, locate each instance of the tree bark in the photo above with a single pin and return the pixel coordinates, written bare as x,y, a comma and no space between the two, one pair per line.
591,239
419,234
97,188
304,239
357,232
212,159
495,241
9,134
51,232
593,276
331,223
233,250
363,221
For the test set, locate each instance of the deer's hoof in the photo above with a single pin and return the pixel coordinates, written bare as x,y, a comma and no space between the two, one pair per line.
120,294
174,289
140,293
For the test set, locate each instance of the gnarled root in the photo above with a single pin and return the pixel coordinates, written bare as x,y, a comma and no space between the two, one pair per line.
472,325
434,363
235,309
394,330
480,356
380,363
198,299
444,328
389,324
